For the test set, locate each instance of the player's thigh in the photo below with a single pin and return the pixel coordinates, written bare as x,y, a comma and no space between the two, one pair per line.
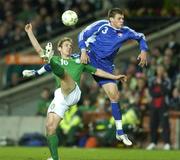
74,96
58,104
61,103
52,120
111,90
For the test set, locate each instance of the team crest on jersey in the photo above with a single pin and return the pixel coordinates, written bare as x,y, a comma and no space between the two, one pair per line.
120,34
77,60
52,106
75,55
105,29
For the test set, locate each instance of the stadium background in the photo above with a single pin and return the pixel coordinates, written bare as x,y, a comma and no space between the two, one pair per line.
23,102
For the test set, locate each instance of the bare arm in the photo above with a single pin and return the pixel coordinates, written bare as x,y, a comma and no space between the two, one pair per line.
104,74
143,58
34,42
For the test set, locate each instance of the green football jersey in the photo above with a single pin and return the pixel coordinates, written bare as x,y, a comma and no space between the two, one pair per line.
74,68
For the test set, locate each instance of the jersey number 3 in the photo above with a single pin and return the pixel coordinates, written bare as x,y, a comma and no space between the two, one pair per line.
105,29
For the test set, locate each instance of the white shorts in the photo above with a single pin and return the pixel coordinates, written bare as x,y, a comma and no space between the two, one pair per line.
60,104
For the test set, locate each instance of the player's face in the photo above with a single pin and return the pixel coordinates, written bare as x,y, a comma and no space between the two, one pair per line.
117,21
66,49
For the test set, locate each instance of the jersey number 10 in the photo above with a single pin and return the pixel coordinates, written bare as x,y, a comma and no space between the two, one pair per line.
64,62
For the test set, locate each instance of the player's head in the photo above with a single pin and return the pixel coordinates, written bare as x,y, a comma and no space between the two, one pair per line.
65,46
116,17
160,70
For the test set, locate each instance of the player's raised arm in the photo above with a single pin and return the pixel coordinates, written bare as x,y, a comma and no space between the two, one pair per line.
34,42
143,58
142,44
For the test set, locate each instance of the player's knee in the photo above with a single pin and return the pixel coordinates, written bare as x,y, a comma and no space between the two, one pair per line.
50,128
114,96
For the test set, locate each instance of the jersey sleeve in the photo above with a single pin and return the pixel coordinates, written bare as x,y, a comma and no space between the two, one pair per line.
45,68
90,69
138,37
88,32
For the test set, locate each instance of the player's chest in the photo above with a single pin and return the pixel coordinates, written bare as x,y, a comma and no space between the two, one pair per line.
110,34
71,65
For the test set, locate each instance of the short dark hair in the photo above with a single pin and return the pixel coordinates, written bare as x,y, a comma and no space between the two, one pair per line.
114,11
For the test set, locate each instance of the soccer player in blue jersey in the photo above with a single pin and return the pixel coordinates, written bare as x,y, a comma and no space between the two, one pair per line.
104,38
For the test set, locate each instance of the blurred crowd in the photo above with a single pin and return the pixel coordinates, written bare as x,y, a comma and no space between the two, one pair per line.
45,16
153,7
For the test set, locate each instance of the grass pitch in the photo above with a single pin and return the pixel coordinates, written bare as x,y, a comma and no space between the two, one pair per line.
38,153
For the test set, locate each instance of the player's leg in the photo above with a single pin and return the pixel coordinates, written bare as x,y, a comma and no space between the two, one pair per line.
154,123
67,83
164,116
52,123
112,92
56,112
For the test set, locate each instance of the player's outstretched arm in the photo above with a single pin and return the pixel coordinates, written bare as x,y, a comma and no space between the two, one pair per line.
34,42
104,74
34,73
142,57
84,57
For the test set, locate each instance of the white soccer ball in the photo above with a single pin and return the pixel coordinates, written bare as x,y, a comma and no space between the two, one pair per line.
69,18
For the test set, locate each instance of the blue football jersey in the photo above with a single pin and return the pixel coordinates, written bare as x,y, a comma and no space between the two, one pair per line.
105,40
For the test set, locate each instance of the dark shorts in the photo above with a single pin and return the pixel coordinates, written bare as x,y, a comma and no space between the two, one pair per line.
104,64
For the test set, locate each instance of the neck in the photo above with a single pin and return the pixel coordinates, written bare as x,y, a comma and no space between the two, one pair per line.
112,25
65,57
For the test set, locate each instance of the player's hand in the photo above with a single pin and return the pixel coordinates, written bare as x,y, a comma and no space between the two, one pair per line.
48,53
84,57
143,58
29,73
28,27
122,78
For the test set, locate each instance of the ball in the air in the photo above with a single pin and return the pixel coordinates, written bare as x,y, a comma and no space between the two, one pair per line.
69,18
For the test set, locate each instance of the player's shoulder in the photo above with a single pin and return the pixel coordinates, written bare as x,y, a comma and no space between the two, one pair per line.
102,21
99,23
126,28
56,57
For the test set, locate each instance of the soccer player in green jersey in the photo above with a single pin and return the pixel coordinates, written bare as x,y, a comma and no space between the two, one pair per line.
67,70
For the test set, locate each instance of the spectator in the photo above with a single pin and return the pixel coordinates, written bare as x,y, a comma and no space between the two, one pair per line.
167,62
44,102
142,96
86,105
175,100
13,76
159,87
